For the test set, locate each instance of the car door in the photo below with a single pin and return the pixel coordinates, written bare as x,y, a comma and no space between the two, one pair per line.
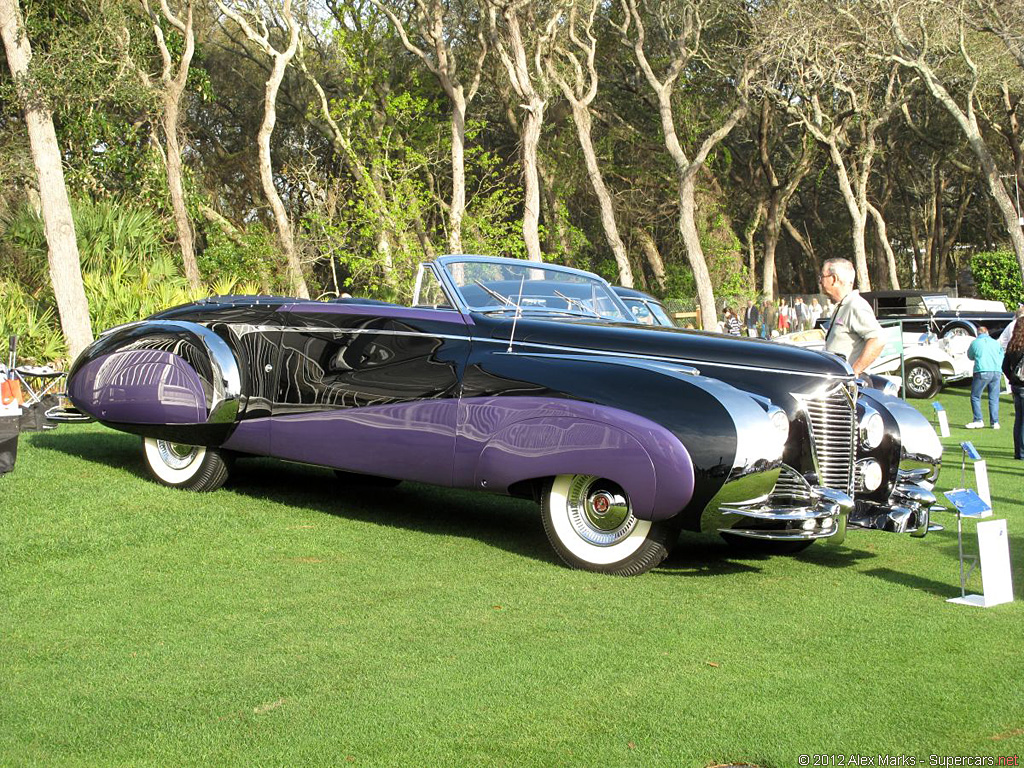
370,388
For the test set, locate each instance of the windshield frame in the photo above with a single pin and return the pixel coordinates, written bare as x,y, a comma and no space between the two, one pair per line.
444,266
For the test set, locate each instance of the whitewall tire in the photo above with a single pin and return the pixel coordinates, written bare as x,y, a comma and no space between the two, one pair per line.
191,467
590,523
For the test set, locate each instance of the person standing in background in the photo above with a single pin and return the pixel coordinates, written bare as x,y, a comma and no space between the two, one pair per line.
855,332
732,323
783,319
1013,363
815,311
768,319
988,365
751,318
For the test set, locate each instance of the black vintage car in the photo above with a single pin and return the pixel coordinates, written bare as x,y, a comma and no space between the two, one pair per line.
931,312
527,379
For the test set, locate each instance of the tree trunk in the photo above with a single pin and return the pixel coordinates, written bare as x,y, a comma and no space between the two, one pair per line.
858,215
581,116
691,240
285,234
177,191
458,208
653,257
883,242
531,178
772,231
65,267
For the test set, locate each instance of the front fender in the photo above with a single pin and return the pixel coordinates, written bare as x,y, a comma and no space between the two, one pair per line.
647,460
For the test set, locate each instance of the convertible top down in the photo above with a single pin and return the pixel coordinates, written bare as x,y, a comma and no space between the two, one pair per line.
528,379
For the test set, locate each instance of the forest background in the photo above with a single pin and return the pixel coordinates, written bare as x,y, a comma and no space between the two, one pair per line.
704,151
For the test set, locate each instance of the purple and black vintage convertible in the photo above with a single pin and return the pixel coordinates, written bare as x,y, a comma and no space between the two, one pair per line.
526,379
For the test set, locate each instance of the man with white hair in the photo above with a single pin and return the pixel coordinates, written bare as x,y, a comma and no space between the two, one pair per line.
854,332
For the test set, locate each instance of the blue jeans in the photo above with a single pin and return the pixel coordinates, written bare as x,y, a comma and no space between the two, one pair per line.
990,380
1018,423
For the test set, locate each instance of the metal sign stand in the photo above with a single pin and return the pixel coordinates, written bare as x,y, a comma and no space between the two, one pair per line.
993,543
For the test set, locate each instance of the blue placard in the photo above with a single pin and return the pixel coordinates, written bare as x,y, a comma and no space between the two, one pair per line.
937,406
968,503
970,450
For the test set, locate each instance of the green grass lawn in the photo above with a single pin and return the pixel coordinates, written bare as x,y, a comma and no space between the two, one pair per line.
290,620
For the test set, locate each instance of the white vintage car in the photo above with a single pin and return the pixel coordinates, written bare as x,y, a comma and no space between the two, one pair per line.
927,361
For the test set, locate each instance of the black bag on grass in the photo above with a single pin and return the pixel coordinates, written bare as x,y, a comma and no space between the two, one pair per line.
9,427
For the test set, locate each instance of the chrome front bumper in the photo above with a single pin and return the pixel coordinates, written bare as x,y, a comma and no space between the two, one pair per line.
823,516
790,509
908,509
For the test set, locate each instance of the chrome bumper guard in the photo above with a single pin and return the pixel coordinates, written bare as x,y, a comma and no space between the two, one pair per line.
908,510
67,415
821,515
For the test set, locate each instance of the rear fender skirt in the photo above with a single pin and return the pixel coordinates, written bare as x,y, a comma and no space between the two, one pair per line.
159,373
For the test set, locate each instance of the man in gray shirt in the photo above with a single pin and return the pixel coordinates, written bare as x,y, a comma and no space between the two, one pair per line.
855,332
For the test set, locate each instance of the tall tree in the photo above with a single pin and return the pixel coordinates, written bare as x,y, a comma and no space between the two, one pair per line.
172,87
528,79
260,35
578,83
926,38
685,28
65,268
432,20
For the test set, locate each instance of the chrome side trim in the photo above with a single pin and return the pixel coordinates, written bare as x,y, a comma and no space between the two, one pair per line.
67,415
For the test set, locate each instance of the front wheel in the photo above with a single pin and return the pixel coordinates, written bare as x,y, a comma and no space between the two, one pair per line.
923,379
191,467
590,523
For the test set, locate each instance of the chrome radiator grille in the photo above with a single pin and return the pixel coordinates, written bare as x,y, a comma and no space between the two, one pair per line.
832,420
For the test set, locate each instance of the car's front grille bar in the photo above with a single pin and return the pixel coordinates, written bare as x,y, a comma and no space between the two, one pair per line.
832,421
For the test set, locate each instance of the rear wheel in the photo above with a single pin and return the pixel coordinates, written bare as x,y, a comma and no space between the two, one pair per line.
923,379
590,523
191,467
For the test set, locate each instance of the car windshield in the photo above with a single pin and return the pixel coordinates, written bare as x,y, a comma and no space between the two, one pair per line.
938,303
528,287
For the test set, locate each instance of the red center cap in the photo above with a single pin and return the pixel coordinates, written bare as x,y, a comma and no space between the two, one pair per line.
601,504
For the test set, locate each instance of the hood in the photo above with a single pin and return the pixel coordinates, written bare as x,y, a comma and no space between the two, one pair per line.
712,353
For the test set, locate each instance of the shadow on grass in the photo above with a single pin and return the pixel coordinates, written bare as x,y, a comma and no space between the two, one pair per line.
499,521
940,588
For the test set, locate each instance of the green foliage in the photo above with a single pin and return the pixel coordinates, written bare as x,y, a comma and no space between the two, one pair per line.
997,276
32,321
129,270
251,253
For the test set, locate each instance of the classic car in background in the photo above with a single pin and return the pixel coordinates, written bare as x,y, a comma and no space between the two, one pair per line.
923,364
526,379
645,308
932,312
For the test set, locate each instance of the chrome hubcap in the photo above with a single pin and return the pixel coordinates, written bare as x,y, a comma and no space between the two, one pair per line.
919,380
176,455
599,511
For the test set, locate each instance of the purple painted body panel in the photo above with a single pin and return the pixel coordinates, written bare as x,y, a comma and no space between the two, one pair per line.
251,436
501,441
411,441
504,440
377,310
144,386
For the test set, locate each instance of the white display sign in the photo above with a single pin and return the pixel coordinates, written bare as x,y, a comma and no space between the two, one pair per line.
981,481
994,557
943,418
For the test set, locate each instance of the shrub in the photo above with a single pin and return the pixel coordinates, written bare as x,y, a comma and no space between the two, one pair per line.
997,276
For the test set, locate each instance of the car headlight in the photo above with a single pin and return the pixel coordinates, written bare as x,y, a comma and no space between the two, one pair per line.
780,421
870,474
872,429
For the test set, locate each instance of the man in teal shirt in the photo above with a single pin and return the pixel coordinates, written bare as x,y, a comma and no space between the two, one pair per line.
988,365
